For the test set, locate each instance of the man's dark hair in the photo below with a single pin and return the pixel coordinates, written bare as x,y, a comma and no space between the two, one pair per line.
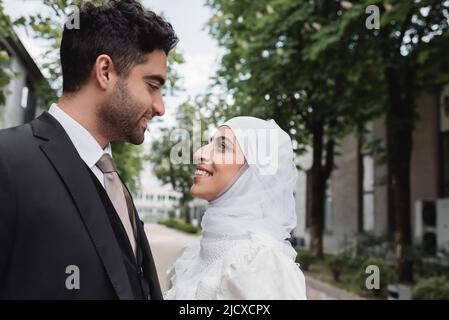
123,30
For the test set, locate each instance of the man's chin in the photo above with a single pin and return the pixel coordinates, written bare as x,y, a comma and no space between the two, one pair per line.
136,139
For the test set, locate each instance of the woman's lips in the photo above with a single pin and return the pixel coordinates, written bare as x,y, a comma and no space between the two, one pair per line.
201,173
201,168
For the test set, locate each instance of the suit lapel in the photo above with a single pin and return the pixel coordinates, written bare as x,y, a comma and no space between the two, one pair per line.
66,161
148,264
145,257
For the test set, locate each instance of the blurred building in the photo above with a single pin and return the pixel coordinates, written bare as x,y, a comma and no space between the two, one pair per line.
21,103
155,201
359,200
197,208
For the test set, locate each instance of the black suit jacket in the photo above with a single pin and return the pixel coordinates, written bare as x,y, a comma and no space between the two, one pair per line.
52,217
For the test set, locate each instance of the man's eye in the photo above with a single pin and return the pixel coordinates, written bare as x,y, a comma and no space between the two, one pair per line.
152,87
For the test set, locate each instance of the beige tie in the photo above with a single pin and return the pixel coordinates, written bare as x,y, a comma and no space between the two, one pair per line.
119,196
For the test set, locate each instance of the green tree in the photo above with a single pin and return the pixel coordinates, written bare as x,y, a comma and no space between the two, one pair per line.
409,50
272,70
6,31
4,73
177,142
322,72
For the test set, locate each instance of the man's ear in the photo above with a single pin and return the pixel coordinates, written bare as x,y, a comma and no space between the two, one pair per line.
103,71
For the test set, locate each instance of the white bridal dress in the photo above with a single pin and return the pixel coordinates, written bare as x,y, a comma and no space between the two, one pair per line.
243,253
216,268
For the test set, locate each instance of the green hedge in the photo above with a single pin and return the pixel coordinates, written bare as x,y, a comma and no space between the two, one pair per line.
386,276
337,264
180,225
305,258
434,288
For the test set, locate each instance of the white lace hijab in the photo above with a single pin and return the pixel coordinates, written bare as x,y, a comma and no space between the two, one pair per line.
261,199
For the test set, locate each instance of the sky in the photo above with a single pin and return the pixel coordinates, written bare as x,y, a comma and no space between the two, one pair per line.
188,19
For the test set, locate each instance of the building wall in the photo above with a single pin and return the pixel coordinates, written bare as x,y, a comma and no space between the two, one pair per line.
12,114
344,190
380,180
424,165
344,179
341,215
155,201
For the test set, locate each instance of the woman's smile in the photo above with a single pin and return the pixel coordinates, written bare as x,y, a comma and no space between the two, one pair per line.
201,171
216,162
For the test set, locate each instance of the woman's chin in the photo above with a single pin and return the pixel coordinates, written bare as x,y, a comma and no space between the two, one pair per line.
195,192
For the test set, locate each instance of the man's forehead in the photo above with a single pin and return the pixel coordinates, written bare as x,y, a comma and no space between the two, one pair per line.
155,64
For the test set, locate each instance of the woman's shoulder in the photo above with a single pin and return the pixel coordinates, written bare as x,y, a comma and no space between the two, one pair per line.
261,269
257,250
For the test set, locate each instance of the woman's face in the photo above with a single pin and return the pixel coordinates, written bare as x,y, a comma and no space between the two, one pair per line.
219,162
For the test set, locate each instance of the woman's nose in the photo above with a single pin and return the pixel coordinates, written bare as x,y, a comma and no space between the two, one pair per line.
203,154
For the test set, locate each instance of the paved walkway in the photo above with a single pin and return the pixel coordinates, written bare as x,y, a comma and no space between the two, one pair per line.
166,244
318,290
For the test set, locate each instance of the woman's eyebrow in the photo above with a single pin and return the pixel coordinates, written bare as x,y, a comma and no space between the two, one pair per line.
222,138
226,139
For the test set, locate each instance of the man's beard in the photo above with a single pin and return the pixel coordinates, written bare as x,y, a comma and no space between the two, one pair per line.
120,116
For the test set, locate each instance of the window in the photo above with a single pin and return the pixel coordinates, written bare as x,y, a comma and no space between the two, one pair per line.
24,98
444,141
445,163
328,209
368,193
366,181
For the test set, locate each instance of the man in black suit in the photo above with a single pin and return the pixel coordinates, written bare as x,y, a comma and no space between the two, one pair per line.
68,226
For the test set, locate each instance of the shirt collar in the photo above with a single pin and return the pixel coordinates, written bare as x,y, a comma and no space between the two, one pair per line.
86,145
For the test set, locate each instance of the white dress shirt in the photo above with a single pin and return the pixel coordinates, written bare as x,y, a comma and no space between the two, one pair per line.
86,145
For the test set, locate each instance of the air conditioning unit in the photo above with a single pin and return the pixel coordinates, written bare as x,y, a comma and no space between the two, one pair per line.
431,225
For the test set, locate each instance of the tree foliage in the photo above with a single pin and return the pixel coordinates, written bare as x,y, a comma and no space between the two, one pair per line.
168,147
320,72
272,69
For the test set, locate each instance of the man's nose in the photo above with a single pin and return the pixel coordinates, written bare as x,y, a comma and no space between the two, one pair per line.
158,105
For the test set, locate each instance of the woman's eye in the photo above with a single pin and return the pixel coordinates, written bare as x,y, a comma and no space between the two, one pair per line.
221,147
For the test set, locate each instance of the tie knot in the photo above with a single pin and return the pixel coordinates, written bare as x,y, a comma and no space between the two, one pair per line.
106,164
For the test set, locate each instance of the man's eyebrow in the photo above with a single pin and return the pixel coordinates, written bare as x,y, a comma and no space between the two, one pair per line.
156,77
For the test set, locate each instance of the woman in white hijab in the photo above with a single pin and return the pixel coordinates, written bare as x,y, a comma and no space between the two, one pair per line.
248,175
